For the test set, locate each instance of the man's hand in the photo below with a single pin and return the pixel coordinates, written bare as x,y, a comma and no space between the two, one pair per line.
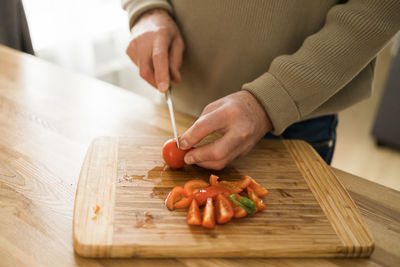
156,48
242,121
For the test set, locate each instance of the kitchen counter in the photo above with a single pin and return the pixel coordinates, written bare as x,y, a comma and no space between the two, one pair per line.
49,115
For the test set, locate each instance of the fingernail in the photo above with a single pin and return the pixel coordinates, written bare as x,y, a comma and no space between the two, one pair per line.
189,160
163,87
183,144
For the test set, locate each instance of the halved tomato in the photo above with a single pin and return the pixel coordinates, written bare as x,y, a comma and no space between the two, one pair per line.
210,192
193,186
223,209
208,214
238,211
176,199
193,215
257,188
257,201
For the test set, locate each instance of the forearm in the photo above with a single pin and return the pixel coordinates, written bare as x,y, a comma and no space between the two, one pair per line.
136,8
297,84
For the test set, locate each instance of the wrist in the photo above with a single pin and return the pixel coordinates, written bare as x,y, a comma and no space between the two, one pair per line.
151,13
260,112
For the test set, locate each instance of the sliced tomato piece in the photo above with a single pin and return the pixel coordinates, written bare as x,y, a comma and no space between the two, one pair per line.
193,215
234,186
257,201
244,182
212,191
183,203
223,209
257,188
193,186
176,199
238,212
234,189
214,179
208,214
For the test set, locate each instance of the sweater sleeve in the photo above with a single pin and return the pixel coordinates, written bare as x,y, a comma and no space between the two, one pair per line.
136,8
295,85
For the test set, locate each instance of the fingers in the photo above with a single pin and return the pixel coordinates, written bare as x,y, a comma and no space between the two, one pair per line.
146,70
160,64
141,54
217,151
175,58
204,126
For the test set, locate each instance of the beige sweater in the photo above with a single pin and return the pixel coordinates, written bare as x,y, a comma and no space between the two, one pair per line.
299,58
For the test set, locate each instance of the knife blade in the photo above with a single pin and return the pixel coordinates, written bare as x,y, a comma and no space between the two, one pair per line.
171,113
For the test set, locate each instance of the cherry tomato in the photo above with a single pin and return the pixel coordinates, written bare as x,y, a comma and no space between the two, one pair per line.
173,156
257,188
193,186
176,199
193,215
210,192
208,214
223,209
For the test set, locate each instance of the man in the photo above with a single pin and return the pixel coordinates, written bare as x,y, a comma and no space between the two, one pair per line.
256,67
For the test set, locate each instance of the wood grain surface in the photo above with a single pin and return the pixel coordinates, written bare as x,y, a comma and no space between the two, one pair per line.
48,117
308,214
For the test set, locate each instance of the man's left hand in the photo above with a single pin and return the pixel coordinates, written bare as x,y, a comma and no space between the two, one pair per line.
239,117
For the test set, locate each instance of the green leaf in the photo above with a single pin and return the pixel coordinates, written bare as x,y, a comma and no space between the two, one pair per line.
245,203
249,205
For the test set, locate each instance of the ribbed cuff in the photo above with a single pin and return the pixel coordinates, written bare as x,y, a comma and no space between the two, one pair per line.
278,104
136,8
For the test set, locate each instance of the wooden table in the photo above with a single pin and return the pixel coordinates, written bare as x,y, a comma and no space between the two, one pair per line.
48,116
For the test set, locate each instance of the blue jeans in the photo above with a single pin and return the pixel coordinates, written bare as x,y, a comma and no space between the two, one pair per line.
319,132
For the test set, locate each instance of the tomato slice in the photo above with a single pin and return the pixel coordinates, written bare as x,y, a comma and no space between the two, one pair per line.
193,215
210,192
208,214
176,199
223,209
257,188
233,186
234,189
257,201
238,212
193,186
214,179
183,203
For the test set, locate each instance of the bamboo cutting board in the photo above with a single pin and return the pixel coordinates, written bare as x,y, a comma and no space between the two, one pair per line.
308,214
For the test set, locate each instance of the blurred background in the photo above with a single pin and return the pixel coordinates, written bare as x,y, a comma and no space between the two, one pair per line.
90,37
87,36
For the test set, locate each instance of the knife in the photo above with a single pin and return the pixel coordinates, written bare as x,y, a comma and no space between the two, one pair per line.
171,113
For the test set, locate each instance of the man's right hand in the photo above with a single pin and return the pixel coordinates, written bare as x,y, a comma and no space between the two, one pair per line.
156,48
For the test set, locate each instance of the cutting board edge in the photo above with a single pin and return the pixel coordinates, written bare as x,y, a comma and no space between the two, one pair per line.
85,244
359,244
130,251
